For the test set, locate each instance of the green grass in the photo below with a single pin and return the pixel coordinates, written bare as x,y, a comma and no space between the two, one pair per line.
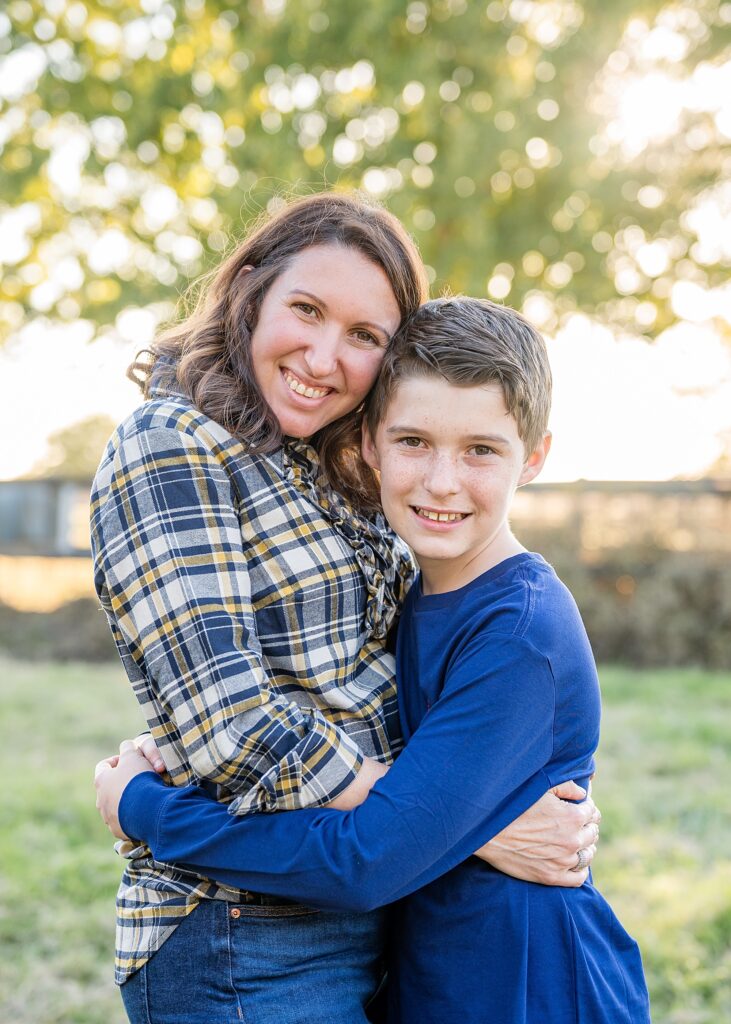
663,778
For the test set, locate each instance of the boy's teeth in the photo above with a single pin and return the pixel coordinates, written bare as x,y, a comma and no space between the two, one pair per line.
440,517
301,389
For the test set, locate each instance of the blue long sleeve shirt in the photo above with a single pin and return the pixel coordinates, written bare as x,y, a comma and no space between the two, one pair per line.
478,703
499,701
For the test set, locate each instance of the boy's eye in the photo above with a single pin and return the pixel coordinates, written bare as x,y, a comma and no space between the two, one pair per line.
483,449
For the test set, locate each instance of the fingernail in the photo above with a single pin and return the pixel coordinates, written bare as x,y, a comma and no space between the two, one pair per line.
159,765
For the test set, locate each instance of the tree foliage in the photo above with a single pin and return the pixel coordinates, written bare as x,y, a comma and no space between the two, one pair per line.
138,138
74,451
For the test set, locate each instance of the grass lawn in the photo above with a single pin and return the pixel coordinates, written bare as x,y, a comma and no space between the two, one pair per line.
663,782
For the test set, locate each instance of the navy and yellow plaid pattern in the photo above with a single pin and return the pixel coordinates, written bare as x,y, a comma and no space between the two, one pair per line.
238,601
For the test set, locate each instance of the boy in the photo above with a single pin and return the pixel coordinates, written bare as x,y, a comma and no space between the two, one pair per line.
498,697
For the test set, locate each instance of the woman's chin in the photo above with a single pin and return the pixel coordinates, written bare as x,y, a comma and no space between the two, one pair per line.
304,422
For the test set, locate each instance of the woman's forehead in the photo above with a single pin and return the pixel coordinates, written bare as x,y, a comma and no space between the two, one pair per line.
342,278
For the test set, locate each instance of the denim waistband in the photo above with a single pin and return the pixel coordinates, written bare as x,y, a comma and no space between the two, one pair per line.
258,899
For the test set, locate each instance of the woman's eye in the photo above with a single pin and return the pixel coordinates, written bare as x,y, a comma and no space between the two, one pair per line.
306,308
410,442
366,338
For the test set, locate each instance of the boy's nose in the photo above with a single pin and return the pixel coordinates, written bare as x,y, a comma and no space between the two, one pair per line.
441,476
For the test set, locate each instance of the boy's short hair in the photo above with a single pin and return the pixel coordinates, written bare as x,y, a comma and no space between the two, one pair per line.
469,342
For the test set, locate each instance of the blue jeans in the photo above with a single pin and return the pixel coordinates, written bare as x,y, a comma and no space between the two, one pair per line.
230,963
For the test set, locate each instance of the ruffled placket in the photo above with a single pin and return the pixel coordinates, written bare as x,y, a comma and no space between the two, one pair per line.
385,561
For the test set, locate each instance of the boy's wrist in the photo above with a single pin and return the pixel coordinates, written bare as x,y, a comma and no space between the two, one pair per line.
142,801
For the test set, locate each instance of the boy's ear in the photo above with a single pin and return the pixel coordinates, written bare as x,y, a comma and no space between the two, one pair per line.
368,448
534,463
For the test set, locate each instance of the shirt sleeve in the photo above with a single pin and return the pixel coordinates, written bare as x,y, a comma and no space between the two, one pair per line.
474,764
171,573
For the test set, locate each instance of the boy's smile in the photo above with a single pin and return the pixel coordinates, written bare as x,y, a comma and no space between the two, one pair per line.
450,459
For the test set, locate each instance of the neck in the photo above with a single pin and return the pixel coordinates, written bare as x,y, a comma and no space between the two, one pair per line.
440,576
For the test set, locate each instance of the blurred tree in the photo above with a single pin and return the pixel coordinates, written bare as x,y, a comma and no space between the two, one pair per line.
555,153
74,451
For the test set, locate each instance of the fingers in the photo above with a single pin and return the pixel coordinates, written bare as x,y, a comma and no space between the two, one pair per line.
585,856
143,747
147,747
578,874
569,791
104,764
590,810
584,819
574,879
591,829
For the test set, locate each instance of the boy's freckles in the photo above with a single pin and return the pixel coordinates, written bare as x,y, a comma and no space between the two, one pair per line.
450,459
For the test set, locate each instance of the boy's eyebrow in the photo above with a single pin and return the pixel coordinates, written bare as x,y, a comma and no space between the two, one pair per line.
491,438
321,302
399,428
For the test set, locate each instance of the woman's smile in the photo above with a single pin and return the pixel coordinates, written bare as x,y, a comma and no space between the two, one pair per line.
298,385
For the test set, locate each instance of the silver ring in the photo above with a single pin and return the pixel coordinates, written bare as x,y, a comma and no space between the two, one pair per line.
581,862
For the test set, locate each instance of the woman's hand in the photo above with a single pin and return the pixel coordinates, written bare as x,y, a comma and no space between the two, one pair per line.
553,842
110,779
354,794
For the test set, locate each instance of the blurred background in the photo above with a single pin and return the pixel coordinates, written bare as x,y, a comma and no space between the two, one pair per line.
569,158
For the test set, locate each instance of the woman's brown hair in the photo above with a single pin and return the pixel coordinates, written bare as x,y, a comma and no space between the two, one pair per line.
207,355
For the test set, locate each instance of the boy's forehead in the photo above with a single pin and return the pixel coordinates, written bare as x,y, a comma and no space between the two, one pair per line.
411,390
435,403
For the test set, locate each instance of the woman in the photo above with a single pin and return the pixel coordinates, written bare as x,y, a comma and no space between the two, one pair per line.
250,585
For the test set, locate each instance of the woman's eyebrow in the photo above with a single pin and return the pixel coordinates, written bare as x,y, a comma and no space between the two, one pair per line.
310,295
323,304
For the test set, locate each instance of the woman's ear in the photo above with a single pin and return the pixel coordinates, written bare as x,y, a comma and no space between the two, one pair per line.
535,461
368,448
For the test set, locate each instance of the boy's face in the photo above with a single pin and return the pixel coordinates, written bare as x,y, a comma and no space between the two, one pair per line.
450,459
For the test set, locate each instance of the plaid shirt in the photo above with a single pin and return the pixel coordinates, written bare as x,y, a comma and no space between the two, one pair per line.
250,605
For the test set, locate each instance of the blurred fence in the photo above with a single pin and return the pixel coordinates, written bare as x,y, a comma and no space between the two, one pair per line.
44,543
603,517
648,563
44,517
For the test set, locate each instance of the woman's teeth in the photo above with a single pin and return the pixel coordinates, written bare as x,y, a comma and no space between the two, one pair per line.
301,389
440,517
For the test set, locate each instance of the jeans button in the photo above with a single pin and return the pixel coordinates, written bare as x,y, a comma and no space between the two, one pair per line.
235,913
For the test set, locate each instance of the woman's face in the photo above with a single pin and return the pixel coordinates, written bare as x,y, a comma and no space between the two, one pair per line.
322,331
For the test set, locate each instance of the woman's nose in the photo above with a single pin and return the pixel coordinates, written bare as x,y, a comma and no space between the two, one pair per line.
321,355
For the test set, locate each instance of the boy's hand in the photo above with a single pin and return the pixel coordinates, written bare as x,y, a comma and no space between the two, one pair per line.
146,746
110,779
543,844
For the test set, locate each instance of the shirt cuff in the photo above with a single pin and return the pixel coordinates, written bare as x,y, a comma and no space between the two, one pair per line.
142,803
293,784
